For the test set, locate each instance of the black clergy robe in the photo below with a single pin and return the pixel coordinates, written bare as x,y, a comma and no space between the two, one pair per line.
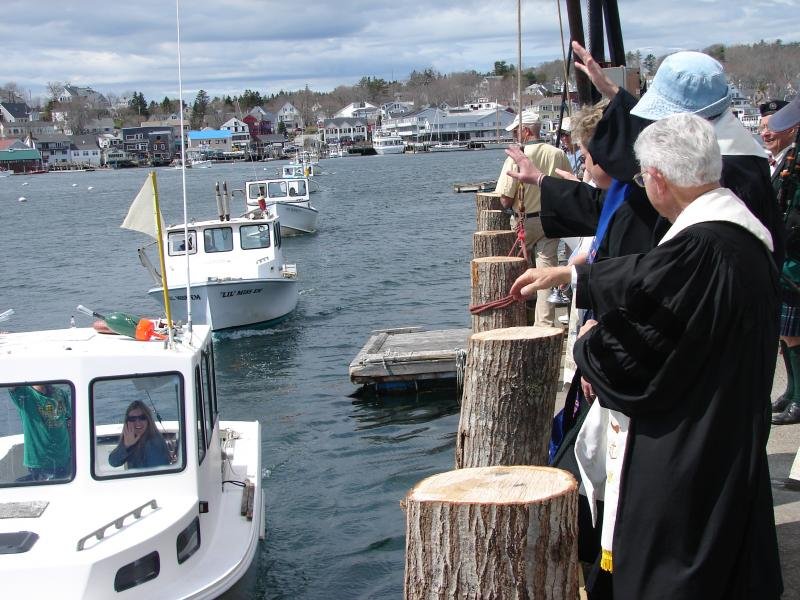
685,347
747,175
571,208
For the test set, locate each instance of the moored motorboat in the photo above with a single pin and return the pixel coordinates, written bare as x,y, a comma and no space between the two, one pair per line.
448,147
87,517
288,199
236,270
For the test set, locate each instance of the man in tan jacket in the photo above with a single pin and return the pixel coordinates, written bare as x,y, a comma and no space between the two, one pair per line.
542,250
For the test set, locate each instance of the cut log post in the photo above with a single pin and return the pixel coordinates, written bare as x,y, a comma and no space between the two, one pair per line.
492,278
492,243
494,220
487,201
510,385
495,532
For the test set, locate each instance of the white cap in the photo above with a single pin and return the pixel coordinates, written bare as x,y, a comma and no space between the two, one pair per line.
529,117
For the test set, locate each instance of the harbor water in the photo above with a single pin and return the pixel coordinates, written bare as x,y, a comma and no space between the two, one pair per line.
392,250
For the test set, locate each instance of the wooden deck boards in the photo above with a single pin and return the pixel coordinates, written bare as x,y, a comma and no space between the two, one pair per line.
409,354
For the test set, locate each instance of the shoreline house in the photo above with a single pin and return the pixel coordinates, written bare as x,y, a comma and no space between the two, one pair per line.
85,151
17,157
212,143
344,130
462,124
54,148
148,145
290,117
240,134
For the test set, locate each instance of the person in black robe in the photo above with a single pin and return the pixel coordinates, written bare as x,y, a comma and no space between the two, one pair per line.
684,349
685,82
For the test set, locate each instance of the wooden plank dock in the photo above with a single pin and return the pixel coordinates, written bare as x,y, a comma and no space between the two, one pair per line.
410,357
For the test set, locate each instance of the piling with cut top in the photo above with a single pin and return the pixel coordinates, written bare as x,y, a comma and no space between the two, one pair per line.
492,278
495,532
487,201
510,386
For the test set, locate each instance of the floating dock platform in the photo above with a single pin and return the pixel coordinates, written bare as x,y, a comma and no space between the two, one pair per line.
480,186
408,358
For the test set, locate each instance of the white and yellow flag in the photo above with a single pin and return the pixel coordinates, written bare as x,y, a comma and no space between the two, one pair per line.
143,213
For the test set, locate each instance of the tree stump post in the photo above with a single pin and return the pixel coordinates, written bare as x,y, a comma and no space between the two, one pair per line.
510,385
492,243
494,220
493,532
487,201
492,278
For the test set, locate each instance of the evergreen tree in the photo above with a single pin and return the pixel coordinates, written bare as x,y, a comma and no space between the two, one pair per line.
199,109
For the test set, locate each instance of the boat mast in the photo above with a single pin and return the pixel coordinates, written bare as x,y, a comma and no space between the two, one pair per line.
183,175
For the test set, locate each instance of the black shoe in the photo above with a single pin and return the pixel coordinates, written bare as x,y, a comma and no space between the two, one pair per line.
789,416
780,403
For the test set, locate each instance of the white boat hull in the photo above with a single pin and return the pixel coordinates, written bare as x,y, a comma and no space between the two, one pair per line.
296,217
389,149
228,304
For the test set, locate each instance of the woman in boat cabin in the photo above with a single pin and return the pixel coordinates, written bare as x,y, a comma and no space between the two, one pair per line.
141,445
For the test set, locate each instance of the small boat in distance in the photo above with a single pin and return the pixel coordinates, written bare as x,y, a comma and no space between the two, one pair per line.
385,142
448,147
237,272
180,520
286,198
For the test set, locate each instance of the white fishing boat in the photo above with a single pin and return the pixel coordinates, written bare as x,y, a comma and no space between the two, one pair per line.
85,516
386,142
336,150
288,199
299,170
236,269
199,163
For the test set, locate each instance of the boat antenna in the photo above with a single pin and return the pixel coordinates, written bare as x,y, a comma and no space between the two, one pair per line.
183,174
519,69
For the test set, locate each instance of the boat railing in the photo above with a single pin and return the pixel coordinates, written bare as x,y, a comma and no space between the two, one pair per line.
117,523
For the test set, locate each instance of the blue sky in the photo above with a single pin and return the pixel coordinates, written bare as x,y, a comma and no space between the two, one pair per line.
228,46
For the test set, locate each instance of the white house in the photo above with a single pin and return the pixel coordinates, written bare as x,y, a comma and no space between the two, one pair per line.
240,133
210,140
71,93
358,110
290,117
84,150
344,129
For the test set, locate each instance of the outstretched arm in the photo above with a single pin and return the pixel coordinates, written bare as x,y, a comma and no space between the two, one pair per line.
532,280
594,71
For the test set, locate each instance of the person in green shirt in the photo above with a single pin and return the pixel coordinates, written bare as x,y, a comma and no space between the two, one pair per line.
46,412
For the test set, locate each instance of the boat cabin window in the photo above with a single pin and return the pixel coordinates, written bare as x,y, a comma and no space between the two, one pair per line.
202,431
137,425
254,236
218,239
255,190
37,433
297,188
175,243
276,189
209,391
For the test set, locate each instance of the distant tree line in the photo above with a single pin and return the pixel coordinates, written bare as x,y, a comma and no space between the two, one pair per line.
772,69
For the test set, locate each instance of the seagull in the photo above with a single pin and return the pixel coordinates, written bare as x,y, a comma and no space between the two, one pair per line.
74,185
26,183
91,187
23,199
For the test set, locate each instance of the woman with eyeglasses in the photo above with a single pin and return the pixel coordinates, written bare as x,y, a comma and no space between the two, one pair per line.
141,445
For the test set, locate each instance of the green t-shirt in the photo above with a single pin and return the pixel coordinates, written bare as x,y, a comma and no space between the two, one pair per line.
44,427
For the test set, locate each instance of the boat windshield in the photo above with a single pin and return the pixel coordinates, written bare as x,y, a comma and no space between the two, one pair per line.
297,188
36,433
254,236
136,425
176,245
218,239
277,189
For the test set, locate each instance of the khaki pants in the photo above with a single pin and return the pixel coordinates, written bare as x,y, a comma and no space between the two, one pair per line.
544,251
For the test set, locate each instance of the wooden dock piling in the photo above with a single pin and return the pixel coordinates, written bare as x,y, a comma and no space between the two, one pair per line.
510,385
491,280
494,220
492,243
495,532
487,201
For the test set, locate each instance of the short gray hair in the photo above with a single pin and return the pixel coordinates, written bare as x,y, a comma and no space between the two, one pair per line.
683,147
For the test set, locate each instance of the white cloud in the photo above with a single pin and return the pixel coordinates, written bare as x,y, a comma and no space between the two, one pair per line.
232,45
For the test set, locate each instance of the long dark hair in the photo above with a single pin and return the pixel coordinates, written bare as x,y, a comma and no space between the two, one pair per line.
136,452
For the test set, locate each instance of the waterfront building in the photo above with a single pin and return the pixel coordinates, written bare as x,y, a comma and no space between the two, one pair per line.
290,117
212,142
153,145
240,134
435,124
85,151
17,157
344,130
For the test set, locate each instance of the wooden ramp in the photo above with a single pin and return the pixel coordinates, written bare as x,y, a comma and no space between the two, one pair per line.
409,357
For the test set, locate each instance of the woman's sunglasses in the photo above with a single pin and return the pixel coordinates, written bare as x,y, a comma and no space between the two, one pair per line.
134,418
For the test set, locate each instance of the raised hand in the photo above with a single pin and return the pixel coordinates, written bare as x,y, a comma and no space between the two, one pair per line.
129,435
594,71
528,173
